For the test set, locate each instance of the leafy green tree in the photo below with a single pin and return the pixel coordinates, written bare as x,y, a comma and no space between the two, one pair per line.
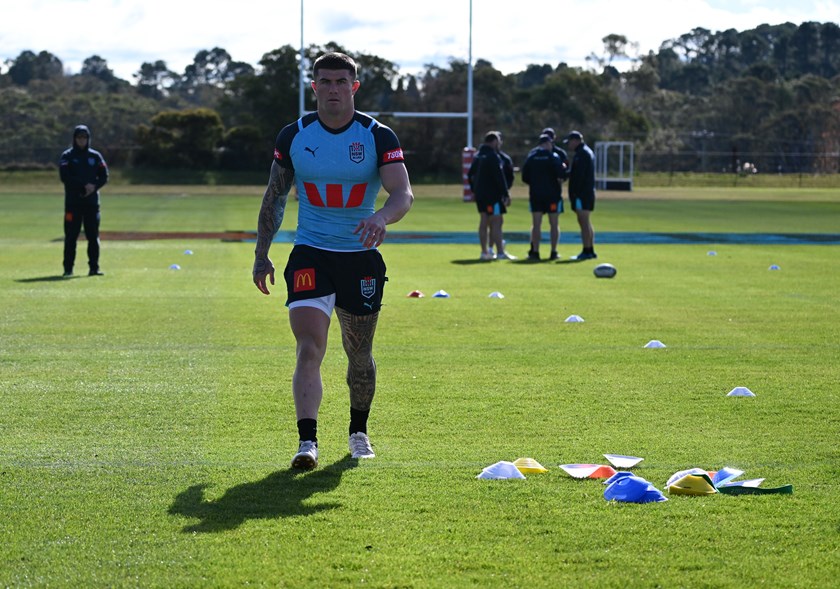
756,46
155,79
97,67
806,48
615,47
28,67
829,66
213,68
204,81
188,139
533,76
243,148
266,100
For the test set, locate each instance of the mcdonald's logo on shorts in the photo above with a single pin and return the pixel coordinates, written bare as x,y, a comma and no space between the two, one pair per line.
304,280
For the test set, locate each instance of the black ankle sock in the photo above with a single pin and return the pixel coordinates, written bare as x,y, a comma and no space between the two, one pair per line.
308,430
358,421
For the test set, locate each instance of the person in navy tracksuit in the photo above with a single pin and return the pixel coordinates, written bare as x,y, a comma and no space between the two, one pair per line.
490,184
83,171
582,192
544,172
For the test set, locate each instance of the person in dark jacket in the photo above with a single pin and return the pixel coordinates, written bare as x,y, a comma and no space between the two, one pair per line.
509,170
564,157
83,171
582,192
543,172
488,182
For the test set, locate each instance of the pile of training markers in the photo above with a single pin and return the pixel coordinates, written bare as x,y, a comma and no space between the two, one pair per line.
627,487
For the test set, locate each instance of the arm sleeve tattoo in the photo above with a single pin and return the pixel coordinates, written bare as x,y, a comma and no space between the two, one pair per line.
273,207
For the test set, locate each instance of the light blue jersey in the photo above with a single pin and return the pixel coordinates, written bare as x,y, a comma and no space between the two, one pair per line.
336,175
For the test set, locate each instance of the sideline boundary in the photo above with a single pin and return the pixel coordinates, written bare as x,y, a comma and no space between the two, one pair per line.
468,237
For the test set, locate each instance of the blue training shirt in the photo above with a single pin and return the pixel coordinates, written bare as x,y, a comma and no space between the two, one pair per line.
336,175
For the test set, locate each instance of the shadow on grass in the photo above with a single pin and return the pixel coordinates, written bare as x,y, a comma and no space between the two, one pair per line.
470,262
280,494
529,261
53,278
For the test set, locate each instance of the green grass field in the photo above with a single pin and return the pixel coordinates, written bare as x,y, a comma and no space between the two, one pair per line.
147,422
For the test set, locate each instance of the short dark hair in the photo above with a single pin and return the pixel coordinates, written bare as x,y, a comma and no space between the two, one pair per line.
334,61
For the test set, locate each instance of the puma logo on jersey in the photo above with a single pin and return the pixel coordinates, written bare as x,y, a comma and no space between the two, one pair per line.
310,150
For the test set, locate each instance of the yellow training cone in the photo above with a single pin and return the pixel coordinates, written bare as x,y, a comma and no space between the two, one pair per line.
529,465
693,484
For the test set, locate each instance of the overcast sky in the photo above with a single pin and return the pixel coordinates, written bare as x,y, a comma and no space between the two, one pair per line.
511,35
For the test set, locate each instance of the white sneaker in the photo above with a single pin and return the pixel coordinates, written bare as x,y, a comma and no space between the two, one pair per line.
503,255
360,446
307,455
488,256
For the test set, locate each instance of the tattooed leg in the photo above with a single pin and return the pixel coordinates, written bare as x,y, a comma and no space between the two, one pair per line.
357,337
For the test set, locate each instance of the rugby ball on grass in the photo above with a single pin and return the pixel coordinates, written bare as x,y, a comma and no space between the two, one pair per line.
604,271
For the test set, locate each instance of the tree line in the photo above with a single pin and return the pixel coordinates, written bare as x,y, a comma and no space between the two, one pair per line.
705,102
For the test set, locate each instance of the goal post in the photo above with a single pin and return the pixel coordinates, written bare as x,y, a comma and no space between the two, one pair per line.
614,165
469,150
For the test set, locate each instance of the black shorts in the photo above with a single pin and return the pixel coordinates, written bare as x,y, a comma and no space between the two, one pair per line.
546,205
491,207
356,278
584,203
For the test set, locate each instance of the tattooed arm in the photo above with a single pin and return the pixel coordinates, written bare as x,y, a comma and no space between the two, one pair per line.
271,216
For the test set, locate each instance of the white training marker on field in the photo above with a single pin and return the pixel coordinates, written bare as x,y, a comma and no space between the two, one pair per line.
174,267
574,319
588,471
740,392
441,294
501,470
655,343
622,461
496,295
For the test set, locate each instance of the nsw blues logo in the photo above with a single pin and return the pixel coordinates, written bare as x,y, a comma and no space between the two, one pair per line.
357,152
368,284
